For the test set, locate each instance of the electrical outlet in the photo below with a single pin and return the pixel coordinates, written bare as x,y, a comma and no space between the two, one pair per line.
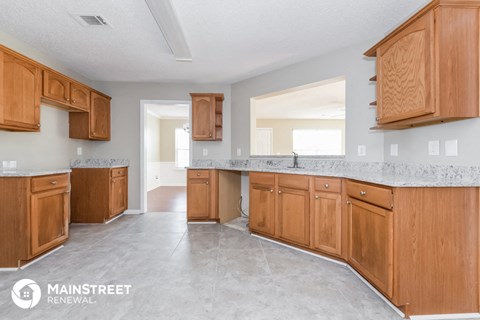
451,148
79,151
205,152
394,150
239,152
362,150
434,148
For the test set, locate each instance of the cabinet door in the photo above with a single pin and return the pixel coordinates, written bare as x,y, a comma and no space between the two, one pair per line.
371,244
203,118
262,209
294,215
56,87
20,91
99,117
118,197
327,222
405,73
49,220
198,199
80,96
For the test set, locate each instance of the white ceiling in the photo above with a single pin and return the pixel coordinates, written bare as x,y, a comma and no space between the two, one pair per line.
176,111
230,40
321,101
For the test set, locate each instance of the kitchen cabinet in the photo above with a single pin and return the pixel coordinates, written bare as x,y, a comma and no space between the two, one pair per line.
93,125
98,194
326,216
262,203
428,68
34,217
207,116
202,191
293,214
63,92
20,92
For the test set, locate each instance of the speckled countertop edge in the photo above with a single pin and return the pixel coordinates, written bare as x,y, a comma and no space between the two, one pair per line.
99,163
31,173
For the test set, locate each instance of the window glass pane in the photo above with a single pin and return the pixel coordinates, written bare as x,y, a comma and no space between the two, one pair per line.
182,146
317,142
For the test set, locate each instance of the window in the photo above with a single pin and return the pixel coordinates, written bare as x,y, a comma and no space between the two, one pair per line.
182,148
317,142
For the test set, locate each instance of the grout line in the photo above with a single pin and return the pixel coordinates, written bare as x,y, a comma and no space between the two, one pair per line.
183,236
265,257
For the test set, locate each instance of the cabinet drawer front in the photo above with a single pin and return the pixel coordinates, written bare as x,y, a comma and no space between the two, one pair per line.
328,184
262,178
119,172
49,182
198,174
379,196
293,181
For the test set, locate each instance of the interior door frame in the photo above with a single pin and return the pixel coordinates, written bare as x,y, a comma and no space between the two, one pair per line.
143,150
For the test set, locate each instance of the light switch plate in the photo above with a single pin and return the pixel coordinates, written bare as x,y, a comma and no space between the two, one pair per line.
451,148
79,151
394,150
362,150
239,152
205,152
434,148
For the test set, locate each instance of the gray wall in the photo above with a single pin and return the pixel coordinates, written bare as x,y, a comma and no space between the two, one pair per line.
348,62
125,141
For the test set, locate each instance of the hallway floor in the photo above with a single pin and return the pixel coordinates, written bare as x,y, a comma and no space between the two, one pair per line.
180,271
167,199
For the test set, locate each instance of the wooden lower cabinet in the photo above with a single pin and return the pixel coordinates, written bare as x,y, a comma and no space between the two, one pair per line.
262,205
326,220
34,217
294,215
202,191
98,194
371,244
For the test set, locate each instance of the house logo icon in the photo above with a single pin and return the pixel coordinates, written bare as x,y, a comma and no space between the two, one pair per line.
26,293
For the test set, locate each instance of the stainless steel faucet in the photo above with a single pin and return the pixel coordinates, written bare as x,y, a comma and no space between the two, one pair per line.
295,159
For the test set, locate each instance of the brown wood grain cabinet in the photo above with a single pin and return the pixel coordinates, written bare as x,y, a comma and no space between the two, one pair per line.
93,125
34,217
20,92
98,194
326,221
428,68
207,116
202,193
262,199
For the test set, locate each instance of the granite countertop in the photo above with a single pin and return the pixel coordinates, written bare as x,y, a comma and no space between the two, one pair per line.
388,174
100,163
31,173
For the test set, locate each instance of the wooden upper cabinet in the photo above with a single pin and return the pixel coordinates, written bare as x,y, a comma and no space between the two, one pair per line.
80,96
428,68
20,91
99,117
56,87
405,69
207,113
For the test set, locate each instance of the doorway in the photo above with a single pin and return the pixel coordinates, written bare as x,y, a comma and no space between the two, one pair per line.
166,152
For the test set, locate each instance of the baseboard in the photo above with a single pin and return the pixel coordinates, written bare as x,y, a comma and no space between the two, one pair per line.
202,222
447,316
40,258
133,211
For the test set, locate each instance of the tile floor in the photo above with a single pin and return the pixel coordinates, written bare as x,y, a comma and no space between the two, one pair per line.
192,272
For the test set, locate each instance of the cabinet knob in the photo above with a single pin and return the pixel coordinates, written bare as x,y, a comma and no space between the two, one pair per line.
54,183
326,185
206,183
363,193
349,202
66,99
317,197
279,192
376,119
38,125
198,174
271,190
210,135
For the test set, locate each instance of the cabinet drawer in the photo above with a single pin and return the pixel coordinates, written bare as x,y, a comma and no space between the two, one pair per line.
262,178
119,172
382,197
198,174
328,184
293,181
49,182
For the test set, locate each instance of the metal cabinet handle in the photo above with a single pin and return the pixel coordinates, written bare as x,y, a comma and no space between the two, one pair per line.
363,193
326,185
54,182
317,197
